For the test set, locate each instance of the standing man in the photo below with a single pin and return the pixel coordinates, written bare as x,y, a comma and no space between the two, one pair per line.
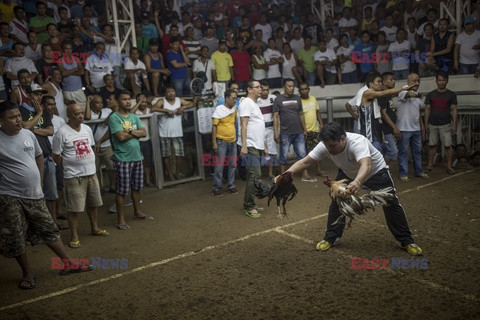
410,124
223,63
362,164
37,120
126,129
170,129
289,126
265,102
24,214
223,143
177,63
391,133
441,120
252,142
313,122
72,150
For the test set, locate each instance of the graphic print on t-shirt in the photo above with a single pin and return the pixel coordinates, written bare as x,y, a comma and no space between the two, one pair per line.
127,125
439,104
82,149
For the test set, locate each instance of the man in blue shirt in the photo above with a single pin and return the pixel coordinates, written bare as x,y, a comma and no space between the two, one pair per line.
364,55
177,63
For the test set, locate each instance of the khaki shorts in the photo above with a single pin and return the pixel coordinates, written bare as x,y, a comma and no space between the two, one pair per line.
104,156
443,132
77,96
24,220
80,191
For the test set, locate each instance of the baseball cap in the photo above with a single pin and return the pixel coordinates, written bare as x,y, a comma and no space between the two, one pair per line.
145,15
468,20
36,87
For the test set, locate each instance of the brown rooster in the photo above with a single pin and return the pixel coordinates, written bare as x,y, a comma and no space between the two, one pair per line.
282,189
351,205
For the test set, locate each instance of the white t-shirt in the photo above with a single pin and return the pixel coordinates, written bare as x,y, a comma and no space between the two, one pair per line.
347,66
344,23
328,55
256,125
411,37
408,113
75,148
98,68
266,31
357,147
273,70
15,64
390,32
101,127
206,67
170,127
399,62
129,65
332,44
297,45
57,123
466,42
266,107
33,55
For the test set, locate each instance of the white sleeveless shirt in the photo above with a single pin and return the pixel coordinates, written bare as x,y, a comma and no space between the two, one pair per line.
170,127
287,66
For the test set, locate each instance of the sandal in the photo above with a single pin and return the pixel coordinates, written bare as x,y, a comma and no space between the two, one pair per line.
123,226
258,208
309,179
253,213
27,283
143,218
74,244
101,233
450,171
67,271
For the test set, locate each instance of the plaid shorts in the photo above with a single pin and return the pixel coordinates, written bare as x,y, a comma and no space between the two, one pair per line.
24,220
311,140
177,146
129,176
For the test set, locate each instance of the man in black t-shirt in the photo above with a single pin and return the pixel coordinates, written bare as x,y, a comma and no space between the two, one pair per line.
37,120
441,119
391,133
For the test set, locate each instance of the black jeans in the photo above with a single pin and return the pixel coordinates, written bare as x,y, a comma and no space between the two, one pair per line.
394,214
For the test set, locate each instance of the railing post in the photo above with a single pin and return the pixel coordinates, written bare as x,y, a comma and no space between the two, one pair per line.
329,109
157,156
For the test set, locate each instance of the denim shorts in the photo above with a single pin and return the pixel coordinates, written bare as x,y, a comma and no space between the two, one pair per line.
298,141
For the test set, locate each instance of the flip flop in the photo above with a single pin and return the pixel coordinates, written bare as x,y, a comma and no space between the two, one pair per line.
101,233
258,208
143,218
27,283
450,171
66,271
74,244
309,180
123,226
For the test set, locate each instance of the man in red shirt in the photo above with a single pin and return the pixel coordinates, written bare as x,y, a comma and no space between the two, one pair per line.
241,64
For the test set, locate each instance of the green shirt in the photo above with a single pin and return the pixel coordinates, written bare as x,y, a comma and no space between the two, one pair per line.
126,151
307,58
142,44
37,22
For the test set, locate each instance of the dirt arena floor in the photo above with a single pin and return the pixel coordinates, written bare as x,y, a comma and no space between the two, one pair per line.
201,258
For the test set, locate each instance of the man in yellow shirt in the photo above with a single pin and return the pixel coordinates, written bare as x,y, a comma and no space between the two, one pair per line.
6,7
223,63
313,121
224,143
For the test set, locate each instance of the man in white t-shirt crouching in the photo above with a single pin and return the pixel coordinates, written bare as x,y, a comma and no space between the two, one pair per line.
362,164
